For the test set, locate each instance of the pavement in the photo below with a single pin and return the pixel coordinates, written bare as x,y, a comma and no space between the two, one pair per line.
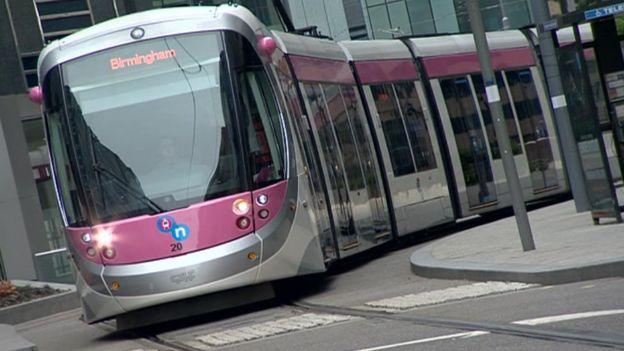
11,341
569,248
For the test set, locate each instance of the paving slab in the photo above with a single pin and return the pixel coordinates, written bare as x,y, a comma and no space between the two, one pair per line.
10,340
569,248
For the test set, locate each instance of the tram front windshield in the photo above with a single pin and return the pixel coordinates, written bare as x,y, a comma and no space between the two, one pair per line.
144,128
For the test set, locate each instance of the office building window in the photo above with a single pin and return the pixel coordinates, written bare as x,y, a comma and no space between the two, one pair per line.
380,22
395,18
264,10
399,19
493,11
421,16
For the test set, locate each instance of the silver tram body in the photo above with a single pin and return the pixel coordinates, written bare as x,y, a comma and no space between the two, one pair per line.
378,141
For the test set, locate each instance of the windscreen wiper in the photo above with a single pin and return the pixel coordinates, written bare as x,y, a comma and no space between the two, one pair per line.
130,191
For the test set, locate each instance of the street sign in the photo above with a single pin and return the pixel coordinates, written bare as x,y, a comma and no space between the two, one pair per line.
550,25
604,11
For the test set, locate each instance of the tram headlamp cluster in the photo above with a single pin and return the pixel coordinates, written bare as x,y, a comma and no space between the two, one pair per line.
104,238
243,222
241,207
86,237
263,213
262,199
109,253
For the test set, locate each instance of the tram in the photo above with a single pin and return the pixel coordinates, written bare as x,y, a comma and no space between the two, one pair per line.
195,151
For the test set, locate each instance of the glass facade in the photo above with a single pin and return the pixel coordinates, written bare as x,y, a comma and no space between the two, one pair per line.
52,265
263,9
396,18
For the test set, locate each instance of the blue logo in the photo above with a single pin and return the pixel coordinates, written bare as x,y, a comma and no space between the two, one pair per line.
167,225
604,11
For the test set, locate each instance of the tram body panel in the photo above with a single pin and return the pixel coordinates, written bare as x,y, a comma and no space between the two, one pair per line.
549,119
339,129
313,187
350,202
459,92
299,248
414,169
301,252
420,198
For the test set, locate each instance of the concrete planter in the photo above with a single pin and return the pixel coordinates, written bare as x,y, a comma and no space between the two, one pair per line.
42,307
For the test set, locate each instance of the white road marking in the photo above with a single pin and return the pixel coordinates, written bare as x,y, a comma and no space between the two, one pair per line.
406,302
198,345
568,317
422,341
266,329
531,322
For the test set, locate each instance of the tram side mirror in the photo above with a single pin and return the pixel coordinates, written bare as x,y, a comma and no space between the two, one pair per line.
35,95
266,46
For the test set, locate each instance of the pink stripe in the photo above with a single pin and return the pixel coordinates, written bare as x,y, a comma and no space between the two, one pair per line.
321,70
440,66
209,224
386,71
275,194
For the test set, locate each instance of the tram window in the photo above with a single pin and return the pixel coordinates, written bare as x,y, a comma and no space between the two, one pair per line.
512,130
346,141
394,129
416,126
261,116
527,105
264,133
533,127
467,129
59,143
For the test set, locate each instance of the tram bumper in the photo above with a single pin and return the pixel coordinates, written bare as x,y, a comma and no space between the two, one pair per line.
130,287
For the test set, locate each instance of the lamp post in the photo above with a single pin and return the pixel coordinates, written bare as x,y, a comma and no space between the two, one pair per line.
500,126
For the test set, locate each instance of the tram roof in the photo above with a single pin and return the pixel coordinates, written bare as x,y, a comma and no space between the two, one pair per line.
195,18
464,43
300,45
364,50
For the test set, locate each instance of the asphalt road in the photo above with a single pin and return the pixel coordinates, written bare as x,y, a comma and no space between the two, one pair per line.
580,316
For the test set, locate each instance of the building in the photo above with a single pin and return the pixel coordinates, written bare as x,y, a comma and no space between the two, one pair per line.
393,18
329,16
32,244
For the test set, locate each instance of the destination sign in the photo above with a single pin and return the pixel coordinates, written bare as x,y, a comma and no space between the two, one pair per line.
604,11
137,60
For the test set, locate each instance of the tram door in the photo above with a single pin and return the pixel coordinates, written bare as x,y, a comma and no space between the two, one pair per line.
537,140
520,160
471,144
321,215
359,224
409,150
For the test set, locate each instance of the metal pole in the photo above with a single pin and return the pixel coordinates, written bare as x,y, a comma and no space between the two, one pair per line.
500,126
562,119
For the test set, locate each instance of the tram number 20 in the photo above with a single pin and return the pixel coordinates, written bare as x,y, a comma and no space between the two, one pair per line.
176,247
